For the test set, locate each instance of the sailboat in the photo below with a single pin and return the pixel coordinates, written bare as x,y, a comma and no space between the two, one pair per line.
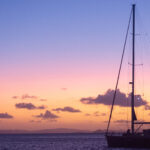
129,139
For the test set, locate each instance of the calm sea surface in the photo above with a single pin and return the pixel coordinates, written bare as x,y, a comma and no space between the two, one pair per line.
54,142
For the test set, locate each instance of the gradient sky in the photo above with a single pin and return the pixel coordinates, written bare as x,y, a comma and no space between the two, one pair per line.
62,51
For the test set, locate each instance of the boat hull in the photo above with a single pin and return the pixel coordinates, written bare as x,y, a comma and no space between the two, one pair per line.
128,141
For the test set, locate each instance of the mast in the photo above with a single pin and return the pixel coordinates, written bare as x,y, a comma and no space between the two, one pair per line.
133,70
116,87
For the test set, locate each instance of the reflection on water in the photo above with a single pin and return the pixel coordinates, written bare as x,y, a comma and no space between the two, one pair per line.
54,142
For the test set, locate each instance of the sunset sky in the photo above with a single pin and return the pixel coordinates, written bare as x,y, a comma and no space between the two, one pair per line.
58,58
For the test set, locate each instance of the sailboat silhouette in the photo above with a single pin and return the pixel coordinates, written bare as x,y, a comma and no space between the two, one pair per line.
133,139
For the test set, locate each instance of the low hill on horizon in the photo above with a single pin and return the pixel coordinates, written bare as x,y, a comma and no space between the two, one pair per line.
44,131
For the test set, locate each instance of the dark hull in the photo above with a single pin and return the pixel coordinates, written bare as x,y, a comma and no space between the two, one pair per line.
128,141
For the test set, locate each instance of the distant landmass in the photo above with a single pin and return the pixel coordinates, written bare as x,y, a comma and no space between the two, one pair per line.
44,131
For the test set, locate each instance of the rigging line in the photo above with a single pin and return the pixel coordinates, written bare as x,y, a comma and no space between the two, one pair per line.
127,103
124,46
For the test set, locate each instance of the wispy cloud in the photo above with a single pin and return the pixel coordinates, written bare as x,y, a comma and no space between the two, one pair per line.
41,107
15,97
35,121
28,106
121,99
99,114
43,99
67,109
121,121
96,114
5,116
47,116
87,114
27,96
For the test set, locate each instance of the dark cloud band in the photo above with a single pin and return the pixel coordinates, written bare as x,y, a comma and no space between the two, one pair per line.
47,115
5,116
67,109
121,99
28,106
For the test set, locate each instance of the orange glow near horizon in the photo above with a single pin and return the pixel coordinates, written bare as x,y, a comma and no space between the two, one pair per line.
58,53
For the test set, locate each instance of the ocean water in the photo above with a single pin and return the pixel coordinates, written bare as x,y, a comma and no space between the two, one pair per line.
54,142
